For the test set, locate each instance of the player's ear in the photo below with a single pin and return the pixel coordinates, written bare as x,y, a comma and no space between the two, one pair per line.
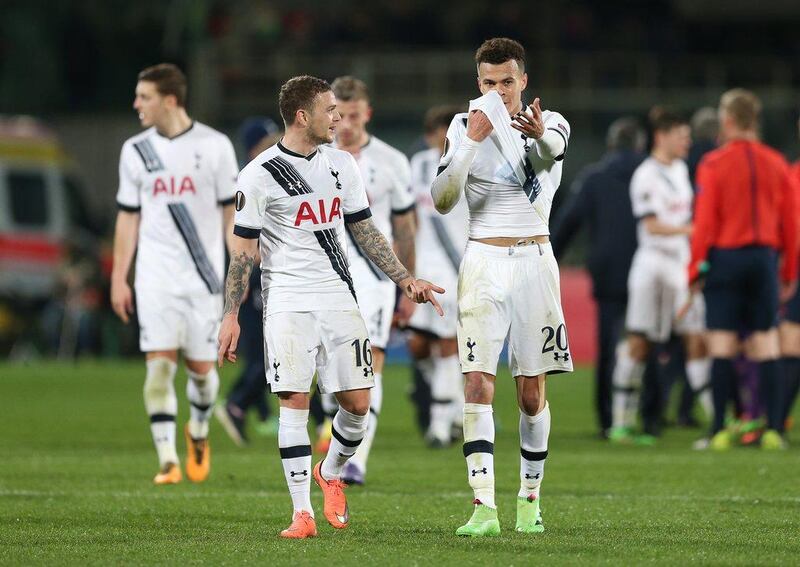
524,81
170,101
301,117
369,113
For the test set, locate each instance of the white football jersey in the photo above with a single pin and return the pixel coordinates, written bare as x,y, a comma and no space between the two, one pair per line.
666,192
387,179
498,204
298,206
179,186
441,239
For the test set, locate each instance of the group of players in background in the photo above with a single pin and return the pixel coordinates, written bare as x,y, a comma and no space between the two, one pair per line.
338,221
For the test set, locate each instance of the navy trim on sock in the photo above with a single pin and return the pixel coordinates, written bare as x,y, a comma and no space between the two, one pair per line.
296,451
479,446
343,441
533,455
161,417
199,406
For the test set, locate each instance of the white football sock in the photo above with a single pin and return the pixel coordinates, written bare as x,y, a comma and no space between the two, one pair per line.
161,404
534,430
329,404
347,433
479,451
443,392
375,403
294,445
627,381
201,389
698,374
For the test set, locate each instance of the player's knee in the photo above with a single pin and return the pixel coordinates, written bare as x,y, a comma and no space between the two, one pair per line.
531,403
357,403
477,388
638,347
158,383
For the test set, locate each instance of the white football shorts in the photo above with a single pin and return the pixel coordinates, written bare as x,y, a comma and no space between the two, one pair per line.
514,292
376,303
658,287
188,322
332,343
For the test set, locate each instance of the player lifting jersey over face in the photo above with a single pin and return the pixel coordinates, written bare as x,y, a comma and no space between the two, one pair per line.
176,184
505,159
295,200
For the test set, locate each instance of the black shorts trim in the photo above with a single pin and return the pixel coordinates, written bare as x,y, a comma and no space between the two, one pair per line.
358,216
246,231
408,209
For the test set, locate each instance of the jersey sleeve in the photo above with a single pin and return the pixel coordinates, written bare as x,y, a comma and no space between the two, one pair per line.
402,198
643,196
354,203
225,176
557,123
455,133
130,180
250,201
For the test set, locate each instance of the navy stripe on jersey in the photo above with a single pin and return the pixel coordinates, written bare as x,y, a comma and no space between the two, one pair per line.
370,264
532,187
446,242
330,244
149,156
287,176
183,220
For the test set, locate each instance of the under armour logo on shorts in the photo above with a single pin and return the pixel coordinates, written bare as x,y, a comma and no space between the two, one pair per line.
558,356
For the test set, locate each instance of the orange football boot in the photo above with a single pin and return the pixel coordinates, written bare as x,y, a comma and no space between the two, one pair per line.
303,526
169,474
198,457
335,504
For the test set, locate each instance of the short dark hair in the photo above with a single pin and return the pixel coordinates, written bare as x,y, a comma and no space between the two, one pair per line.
168,79
626,134
440,116
298,93
663,119
348,88
498,50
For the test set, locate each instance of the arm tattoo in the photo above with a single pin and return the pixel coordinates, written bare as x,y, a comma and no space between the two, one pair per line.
404,229
374,245
236,284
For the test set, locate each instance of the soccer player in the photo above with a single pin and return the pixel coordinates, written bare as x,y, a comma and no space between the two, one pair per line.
600,200
508,281
661,197
387,179
296,198
790,333
744,216
440,246
176,187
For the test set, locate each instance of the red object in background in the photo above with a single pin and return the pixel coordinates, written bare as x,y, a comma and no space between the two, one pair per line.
580,313
27,249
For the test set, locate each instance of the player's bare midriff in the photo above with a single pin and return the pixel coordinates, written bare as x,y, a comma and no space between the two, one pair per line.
505,241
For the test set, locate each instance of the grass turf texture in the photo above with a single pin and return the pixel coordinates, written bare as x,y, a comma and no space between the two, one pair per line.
76,462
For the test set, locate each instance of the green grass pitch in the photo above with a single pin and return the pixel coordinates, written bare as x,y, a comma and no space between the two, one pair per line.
76,461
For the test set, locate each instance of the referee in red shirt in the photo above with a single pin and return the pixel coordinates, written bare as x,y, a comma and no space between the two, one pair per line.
745,218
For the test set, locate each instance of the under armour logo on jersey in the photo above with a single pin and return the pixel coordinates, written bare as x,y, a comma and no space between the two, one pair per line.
483,470
559,356
335,175
536,476
470,345
275,366
294,474
368,371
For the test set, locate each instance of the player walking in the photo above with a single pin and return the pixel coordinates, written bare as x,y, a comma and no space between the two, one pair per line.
296,198
440,247
387,179
176,186
661,197
508,282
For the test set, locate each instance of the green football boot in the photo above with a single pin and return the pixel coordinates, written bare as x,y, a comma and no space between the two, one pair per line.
620,436
721,441
529,516
771,440
483,522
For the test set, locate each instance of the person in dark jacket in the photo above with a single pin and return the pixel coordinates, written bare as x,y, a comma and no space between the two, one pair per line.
600,201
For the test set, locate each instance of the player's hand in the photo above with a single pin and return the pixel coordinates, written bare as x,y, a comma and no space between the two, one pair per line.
122,300
228,338
530,125
694,289
405,309
421,291
787,291
478,126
